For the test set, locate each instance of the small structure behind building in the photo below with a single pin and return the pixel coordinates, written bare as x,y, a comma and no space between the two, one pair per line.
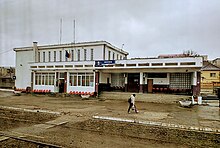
7,77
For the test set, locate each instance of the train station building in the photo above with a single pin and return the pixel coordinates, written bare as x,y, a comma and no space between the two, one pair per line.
92,67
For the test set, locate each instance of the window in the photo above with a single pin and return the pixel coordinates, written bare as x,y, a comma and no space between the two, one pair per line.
87,80
104,52
54,56
91,80
44,78
43,56
60,56
92,54
81,79
39,82
120,57
212,74
36,79
72,52
67,55
38,56
75,80
180,80
117,56
109,55
157,75
51,78
49,56
78,55
113,56
85,54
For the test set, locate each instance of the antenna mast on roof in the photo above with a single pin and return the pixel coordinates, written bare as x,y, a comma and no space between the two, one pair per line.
74,31
122,46
61,30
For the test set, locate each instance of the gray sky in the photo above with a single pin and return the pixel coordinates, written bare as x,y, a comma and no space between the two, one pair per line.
147,28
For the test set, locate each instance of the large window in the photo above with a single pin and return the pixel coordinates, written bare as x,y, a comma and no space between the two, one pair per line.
157,75
78,55
38,56
54,56
48,56
85,54
81,79
60,56
92,54
43,56
72,52
109,55
180,80
44,78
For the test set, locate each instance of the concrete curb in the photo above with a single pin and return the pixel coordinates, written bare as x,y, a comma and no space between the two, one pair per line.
153,123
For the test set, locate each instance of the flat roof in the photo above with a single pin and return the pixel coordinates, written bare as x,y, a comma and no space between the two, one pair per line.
78,44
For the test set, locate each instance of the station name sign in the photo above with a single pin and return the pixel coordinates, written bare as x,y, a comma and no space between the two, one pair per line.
104,62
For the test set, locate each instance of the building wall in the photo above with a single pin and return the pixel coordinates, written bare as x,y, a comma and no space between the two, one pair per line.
159,81
110,52
206,76
103,77
97,54
22,70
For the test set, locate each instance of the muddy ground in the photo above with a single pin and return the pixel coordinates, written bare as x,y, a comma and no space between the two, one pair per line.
62,129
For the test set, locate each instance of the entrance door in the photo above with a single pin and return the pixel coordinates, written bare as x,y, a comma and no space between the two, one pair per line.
149,85
62,82
133,82
61,85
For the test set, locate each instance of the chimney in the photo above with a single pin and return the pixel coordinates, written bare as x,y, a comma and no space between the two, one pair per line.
35,48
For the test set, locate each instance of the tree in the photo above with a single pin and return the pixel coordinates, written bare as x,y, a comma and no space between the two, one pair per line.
190,53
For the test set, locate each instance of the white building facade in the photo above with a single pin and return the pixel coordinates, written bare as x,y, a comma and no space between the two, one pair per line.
97,66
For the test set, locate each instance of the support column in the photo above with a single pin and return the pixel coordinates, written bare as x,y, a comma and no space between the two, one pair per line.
196,83
32,80
126,82
97,82
65,82
141,83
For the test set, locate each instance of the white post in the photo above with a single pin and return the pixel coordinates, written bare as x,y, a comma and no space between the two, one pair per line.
141,78
195,78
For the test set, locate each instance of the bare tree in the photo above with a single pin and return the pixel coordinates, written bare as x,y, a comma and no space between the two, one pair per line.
190,53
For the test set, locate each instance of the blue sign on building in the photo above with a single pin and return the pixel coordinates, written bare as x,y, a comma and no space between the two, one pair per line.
104,62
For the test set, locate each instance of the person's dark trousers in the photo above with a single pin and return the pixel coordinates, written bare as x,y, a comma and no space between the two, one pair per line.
130,106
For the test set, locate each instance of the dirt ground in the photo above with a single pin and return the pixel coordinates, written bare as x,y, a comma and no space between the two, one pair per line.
55,118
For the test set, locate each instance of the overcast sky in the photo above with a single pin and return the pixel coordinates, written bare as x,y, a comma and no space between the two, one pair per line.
147,28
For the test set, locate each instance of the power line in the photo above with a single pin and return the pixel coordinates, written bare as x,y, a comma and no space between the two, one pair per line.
5,51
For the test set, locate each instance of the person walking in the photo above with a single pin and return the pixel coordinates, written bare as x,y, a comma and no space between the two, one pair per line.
132,104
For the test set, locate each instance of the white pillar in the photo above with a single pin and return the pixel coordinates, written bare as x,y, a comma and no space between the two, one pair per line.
194,78
141,77
67,82
126,78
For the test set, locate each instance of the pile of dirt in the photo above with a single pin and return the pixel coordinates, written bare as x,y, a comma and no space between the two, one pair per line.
13,118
